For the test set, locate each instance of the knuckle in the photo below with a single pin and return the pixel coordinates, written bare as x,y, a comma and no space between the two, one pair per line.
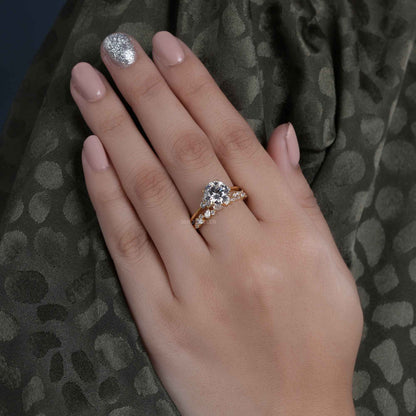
132,243
264,288
150,186
113,122
310,247
196,85
191,148
109,197
148,87
303,245
237,140
263,281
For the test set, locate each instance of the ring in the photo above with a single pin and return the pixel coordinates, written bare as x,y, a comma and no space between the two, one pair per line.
216,196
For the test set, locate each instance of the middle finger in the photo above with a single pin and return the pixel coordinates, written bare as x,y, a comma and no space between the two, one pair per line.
181,144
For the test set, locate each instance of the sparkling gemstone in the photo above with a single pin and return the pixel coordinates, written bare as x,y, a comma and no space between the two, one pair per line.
215,193
217,207
207,213
212,212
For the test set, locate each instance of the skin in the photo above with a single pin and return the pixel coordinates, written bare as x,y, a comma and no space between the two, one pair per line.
256,313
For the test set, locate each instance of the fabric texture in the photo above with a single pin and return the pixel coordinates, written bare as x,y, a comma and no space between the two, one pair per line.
344,73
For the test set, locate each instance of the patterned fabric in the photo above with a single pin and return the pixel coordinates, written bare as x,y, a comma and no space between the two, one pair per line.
343,72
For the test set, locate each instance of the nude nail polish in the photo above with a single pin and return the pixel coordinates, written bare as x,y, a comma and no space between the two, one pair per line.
120,48
167,49
87,82
95,154
292,145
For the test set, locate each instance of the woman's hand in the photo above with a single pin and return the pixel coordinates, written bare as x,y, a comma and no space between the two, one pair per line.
255,313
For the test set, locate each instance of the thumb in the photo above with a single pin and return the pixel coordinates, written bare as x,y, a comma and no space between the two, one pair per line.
283,147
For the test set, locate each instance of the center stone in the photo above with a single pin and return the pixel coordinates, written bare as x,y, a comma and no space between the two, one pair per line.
216,192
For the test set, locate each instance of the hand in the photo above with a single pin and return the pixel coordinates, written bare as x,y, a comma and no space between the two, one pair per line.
254,313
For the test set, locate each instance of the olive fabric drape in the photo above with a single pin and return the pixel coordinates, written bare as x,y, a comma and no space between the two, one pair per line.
343,72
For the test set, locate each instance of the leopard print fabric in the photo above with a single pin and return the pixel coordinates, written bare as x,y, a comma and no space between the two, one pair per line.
344,73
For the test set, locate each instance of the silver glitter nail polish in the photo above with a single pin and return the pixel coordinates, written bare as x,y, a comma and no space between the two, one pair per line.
120,49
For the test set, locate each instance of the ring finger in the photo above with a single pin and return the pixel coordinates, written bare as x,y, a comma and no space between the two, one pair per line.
234,142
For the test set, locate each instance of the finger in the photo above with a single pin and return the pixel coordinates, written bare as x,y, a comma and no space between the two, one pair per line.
182,146
139,266
145,181
283,147
234,142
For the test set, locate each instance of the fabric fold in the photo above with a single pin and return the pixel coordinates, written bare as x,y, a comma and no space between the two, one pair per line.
343,73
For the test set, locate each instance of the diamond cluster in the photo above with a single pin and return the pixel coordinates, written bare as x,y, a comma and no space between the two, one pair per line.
218,205
216,192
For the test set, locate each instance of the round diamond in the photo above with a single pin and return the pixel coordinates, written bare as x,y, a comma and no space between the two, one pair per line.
207,213
216,192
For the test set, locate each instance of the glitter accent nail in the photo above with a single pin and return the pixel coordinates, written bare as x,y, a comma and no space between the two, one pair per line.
120,49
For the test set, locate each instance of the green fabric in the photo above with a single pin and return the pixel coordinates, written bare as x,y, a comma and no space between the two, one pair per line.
344,73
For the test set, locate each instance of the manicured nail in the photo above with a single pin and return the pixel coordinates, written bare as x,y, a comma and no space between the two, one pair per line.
95,153
120,48
167,48
292,145
87,82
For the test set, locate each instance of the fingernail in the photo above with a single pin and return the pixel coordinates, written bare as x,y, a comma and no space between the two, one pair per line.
167,48
120,49
292,145
87,82
95,153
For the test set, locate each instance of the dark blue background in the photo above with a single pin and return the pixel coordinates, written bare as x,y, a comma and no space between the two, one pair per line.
23,26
